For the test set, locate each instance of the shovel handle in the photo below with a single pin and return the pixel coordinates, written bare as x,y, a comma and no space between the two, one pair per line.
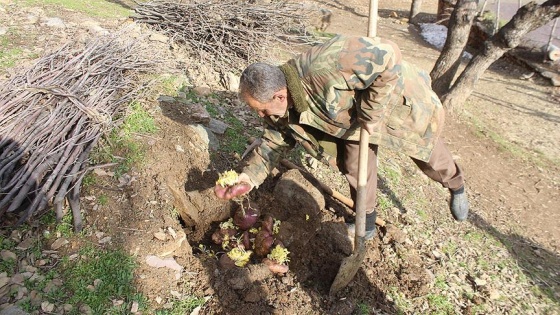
361,190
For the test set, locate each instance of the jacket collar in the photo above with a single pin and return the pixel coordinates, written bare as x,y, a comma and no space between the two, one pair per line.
295,87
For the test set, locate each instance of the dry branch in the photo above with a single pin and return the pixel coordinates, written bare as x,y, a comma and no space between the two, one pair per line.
52,115
228,34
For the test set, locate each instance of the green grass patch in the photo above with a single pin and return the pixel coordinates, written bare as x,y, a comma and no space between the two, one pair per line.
120,146
8,53
102,200
440,305
503,144
94,8
182,306
362,309
384,202
236,136
97,278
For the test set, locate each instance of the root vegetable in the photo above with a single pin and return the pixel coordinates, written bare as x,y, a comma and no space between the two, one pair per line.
228,178
267,224
245,217
226,231
275,267
263,243
278,259
239,256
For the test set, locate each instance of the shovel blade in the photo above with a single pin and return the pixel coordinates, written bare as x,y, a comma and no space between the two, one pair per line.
349,266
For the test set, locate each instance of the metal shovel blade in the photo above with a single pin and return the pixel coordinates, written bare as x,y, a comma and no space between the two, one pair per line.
350,265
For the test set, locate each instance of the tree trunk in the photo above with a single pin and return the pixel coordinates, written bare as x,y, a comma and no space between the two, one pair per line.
528,18
457,37
414,9
445,7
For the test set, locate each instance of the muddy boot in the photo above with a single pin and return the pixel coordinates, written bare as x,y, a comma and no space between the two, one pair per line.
459,204
371,230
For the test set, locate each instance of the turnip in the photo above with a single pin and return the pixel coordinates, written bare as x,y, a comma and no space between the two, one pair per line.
239,256
225,232
229,186
267,224
245,217
277,260
263,243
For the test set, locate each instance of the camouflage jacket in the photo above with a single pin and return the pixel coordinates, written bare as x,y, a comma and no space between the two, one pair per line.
336,85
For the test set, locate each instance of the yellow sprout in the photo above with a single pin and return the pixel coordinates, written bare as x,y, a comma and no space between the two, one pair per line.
228,224
279,254
239,256
228,178
254,230
276,226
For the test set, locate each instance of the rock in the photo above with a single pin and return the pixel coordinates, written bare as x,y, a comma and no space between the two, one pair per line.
298,195
554,77
59,243
160,236
7,255
13,310
186,209
54,22
156,37
217,126
207,137
232,82
202,90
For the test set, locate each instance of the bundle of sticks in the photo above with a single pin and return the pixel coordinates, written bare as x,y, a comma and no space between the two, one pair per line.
228,34
52,115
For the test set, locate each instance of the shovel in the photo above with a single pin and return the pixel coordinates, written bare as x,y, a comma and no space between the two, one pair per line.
351,264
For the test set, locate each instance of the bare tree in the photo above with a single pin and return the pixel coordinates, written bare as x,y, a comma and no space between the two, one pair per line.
414,9
528,18
457,36
445,8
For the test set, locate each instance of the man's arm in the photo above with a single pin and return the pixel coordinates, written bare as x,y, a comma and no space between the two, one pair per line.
374,65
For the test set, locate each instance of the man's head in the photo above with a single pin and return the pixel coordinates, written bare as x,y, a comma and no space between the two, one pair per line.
263,88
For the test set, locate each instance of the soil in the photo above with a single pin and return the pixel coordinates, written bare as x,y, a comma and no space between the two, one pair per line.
513,190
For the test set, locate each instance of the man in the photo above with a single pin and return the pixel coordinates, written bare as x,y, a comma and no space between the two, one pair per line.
321,98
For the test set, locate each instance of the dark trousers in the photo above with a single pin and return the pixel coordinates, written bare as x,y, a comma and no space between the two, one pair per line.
440,168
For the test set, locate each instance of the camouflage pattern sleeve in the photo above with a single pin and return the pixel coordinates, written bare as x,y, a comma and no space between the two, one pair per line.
266,156
373,66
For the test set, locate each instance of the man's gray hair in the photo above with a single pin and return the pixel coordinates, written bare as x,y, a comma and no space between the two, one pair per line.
261,80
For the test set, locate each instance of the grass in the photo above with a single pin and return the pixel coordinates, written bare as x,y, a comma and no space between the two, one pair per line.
362,309
8,54
94,8
121,147
519,152
99,277
182,306
236,136
440,304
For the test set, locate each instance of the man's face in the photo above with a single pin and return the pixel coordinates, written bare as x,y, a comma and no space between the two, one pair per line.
276,107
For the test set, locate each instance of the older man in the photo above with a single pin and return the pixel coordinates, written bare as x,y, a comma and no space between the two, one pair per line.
322,97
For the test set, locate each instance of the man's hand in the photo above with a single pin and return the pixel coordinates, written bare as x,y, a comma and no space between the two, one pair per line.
243,186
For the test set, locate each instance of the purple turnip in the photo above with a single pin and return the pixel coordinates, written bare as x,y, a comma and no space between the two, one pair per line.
245,217
263,243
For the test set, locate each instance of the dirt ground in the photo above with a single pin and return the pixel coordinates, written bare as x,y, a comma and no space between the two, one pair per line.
513,193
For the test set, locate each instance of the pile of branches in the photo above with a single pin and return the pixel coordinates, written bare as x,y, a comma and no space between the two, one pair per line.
228,34
52,115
